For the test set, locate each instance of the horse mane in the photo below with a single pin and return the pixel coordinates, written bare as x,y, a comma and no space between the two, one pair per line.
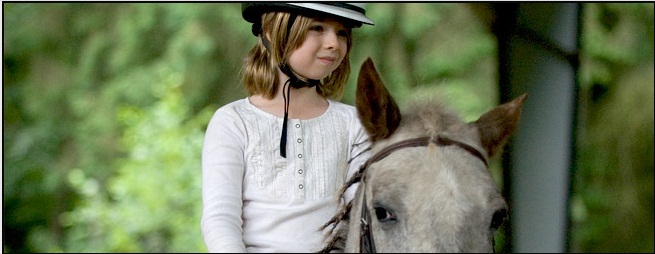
435,117
431,115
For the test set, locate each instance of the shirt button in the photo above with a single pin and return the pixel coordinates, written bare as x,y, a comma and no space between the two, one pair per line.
299,171
300,186
300,156
299,140
297,125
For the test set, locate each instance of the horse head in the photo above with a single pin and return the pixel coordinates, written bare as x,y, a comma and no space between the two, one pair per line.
426,187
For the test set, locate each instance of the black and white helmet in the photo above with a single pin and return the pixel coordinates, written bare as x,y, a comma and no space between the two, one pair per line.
353,13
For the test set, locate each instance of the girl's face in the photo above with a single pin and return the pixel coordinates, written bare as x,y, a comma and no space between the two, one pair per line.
323,50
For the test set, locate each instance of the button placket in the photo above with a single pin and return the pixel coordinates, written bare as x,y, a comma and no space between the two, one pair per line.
299,149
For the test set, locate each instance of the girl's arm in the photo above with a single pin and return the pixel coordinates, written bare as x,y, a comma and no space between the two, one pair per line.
358,153
222,180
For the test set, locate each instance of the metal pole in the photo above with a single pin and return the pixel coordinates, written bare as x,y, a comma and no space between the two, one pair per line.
538,55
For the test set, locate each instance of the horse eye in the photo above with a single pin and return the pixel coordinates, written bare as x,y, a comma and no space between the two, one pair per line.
498,218
383,215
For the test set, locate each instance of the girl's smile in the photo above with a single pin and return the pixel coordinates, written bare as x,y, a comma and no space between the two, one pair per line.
323,50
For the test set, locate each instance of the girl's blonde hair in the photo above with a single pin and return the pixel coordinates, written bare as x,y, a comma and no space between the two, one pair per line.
260,66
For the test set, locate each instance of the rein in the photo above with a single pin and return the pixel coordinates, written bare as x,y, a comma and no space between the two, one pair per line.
366,243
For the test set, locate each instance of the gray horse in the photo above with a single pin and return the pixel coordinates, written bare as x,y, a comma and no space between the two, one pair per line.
426,186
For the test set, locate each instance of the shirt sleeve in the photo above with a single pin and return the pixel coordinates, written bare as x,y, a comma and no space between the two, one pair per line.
358,155
222,180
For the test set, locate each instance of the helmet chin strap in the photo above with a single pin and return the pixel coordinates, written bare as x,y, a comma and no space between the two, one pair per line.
293,81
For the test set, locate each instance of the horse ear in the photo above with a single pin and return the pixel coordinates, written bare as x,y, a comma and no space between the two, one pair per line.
377,110
499,123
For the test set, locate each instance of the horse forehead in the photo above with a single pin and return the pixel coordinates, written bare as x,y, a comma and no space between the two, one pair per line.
434,174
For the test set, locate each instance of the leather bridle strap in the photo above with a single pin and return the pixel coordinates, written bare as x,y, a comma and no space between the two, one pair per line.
422,141
366,244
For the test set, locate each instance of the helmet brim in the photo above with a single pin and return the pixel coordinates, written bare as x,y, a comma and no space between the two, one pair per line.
252,12
337,11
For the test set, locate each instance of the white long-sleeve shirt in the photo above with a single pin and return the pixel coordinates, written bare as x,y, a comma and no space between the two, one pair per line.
253,199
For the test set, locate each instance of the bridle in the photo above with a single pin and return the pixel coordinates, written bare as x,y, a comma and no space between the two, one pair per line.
366,243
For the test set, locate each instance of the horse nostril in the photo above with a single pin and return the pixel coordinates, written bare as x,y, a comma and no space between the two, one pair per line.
498,218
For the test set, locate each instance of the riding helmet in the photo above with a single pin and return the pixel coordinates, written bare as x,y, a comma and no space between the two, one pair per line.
353,13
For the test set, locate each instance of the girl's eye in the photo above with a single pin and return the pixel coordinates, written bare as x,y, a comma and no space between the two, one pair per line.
343,33
316,28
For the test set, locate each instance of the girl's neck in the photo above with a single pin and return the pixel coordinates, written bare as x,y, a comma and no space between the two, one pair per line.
302,96
305,103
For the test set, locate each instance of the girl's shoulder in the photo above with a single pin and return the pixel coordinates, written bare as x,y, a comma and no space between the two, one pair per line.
234,104
234,107
231,110
343,110
342,107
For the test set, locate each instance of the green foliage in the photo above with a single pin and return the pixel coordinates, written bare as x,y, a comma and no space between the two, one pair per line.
613,188
152,204
437,45
74,74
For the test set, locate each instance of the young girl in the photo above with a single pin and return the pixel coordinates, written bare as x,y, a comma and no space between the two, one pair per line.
272,163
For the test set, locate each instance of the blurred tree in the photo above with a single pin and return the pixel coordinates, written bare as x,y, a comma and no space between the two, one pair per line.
70,71
612,198
153,201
